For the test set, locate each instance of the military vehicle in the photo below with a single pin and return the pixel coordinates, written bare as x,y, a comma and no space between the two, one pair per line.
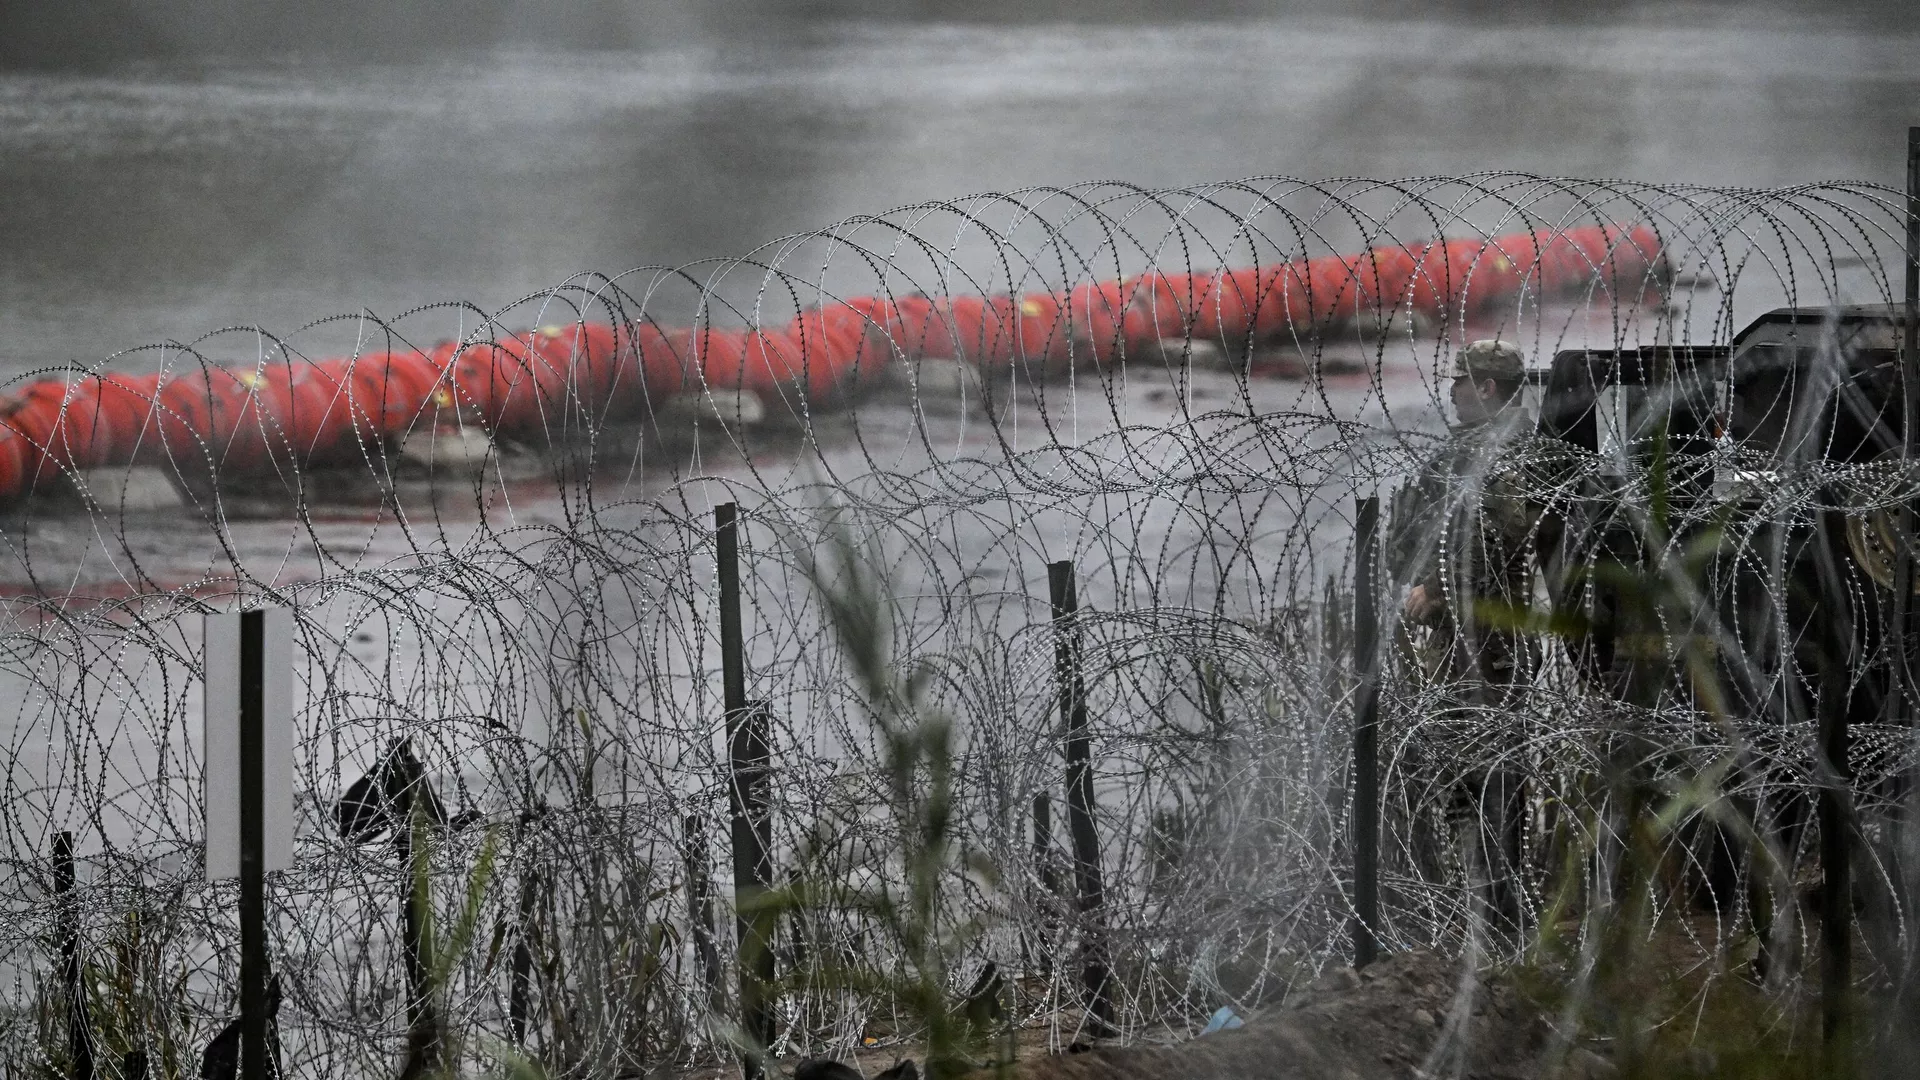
1757,443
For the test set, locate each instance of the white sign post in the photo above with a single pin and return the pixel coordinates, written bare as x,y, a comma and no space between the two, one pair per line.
249,783
223,738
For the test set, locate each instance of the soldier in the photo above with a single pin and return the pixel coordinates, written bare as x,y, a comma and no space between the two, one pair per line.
1462,531
1462,535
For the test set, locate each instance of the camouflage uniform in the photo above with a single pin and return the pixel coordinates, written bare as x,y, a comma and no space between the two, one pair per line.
1464,528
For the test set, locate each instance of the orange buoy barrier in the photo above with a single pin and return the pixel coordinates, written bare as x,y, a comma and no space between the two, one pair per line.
247,418
16,472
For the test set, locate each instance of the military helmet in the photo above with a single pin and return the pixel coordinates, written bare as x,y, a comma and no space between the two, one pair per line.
1490,358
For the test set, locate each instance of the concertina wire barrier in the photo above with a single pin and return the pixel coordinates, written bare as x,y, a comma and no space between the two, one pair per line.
496,531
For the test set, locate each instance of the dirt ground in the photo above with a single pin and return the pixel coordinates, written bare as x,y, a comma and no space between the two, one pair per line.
1409,1015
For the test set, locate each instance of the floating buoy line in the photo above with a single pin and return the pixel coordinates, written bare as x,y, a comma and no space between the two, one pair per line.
247,418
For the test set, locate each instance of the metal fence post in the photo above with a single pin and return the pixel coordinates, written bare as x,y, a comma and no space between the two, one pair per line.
1043,843
254,1062
1903,566
747,750
79,1038
700,906
752,871
1366,718
520,979
1037,946
1080,826
1836,886
248,739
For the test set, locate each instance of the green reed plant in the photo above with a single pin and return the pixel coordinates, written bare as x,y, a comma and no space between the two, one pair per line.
604,953
135,999
435,1047
910,907
135,1005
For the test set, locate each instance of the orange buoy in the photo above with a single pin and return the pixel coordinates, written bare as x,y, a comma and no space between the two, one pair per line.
243,418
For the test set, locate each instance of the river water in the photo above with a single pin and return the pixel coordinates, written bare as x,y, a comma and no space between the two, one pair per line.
160,201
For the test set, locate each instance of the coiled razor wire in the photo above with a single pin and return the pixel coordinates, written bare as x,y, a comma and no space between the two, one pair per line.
540,625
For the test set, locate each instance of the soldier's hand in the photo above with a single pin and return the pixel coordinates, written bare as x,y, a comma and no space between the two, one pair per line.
1424,606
